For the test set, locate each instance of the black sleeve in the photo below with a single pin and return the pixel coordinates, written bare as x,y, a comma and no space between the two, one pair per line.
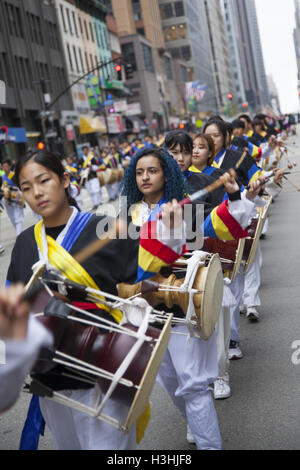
24,256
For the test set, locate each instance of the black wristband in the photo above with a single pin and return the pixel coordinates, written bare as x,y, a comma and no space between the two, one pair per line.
235,196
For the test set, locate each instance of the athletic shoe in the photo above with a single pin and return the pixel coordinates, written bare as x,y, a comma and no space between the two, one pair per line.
189,435
221,389
1,250
252,314
235,351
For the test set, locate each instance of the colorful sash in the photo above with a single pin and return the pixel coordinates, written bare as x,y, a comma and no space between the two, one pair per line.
60,258
8,179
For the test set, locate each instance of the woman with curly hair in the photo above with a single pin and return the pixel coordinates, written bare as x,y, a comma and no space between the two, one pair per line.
187,371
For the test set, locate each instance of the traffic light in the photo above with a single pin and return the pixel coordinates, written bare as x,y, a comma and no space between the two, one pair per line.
181,125
245,105
40,145
129,69
230,96
118,69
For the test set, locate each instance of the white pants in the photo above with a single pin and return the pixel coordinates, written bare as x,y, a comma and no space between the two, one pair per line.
94,189
252,282
223,330
74,430
186,373
16,216
113,190
223,340
237,289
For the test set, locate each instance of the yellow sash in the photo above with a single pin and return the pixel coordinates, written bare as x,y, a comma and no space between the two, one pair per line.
63,261
87,161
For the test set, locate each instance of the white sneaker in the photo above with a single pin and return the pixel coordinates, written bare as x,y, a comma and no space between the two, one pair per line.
221,389
234,351
189,435
252,314
1,250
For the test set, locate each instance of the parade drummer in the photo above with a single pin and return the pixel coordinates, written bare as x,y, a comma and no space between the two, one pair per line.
64,231
14,207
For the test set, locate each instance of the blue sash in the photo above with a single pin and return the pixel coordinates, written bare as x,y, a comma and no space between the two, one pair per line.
209,170
220,155
8,181
35,425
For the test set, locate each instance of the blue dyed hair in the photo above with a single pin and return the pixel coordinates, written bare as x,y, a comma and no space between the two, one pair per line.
175,186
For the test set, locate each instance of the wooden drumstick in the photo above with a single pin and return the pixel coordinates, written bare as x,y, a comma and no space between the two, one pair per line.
97,245
210,188
246,152
291,183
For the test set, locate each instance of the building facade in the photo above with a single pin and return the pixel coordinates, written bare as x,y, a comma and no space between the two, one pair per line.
251,57
220,55
233,40
30,49
187,39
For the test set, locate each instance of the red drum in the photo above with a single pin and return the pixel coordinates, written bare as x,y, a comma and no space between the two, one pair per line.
104,350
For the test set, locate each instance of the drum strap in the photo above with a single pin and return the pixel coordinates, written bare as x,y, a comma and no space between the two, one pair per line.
192,267
60,259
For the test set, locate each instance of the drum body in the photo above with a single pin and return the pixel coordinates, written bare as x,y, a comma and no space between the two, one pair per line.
207,301
106,352
13,195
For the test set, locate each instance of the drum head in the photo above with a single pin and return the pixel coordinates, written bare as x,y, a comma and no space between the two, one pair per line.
142,396
210,281
254,246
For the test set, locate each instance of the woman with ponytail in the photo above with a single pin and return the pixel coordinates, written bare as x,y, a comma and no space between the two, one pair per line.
62,232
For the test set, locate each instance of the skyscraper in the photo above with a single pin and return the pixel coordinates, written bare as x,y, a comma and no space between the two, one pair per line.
251,56
187,38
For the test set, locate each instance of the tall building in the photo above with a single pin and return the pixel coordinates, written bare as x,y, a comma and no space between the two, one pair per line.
30,49
143,45
187,38
233,41
220,54
251,57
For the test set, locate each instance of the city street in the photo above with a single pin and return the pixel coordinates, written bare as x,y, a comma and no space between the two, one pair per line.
264,410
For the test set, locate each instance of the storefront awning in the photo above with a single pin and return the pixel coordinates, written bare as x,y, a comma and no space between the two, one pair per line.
89,125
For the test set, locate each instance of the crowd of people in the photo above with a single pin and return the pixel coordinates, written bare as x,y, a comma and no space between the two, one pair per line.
154,175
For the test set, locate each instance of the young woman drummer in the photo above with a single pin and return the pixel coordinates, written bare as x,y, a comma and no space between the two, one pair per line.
63,232
186,371
226,158
203,156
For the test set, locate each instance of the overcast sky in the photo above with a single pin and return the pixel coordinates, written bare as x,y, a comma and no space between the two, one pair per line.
276,23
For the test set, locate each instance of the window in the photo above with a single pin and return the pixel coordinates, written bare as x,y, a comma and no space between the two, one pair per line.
179,9
166,11
129,54
140,31
168,68
137,10
86,31
76,61
183,74
92,33
69,21
174,32
75,24
186,52
175,53
81,60
70,58
80,25
148,62
63,17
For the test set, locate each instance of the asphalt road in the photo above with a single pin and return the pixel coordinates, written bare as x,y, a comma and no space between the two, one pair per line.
264,410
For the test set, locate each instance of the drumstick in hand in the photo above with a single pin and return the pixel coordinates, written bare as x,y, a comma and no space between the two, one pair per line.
210,188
